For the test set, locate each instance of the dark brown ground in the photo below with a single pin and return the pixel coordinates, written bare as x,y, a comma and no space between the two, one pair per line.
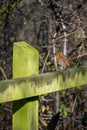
36,25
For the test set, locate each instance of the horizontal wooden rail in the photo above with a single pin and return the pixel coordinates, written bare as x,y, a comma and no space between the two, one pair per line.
41,84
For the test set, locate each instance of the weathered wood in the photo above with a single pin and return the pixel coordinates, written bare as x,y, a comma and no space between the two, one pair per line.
41,84
25,63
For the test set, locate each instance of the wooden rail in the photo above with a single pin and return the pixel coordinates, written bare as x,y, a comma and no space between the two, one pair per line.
27,85
20,88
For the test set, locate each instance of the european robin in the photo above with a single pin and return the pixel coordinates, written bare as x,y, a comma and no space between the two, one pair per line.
62,60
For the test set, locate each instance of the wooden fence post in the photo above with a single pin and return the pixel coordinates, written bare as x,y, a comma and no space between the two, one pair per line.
25,63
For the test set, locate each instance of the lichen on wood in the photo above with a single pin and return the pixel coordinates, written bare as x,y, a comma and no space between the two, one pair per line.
43,83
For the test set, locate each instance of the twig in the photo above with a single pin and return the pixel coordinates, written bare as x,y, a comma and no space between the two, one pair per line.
58,14
43,122
45,61
70,33
79,56
73,105
54,51
65,36
3,73
56,98
74,13
40,1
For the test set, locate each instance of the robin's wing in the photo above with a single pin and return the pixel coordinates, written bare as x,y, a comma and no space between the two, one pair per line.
66,61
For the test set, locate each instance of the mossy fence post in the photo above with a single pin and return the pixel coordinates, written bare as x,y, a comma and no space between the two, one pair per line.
25,63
